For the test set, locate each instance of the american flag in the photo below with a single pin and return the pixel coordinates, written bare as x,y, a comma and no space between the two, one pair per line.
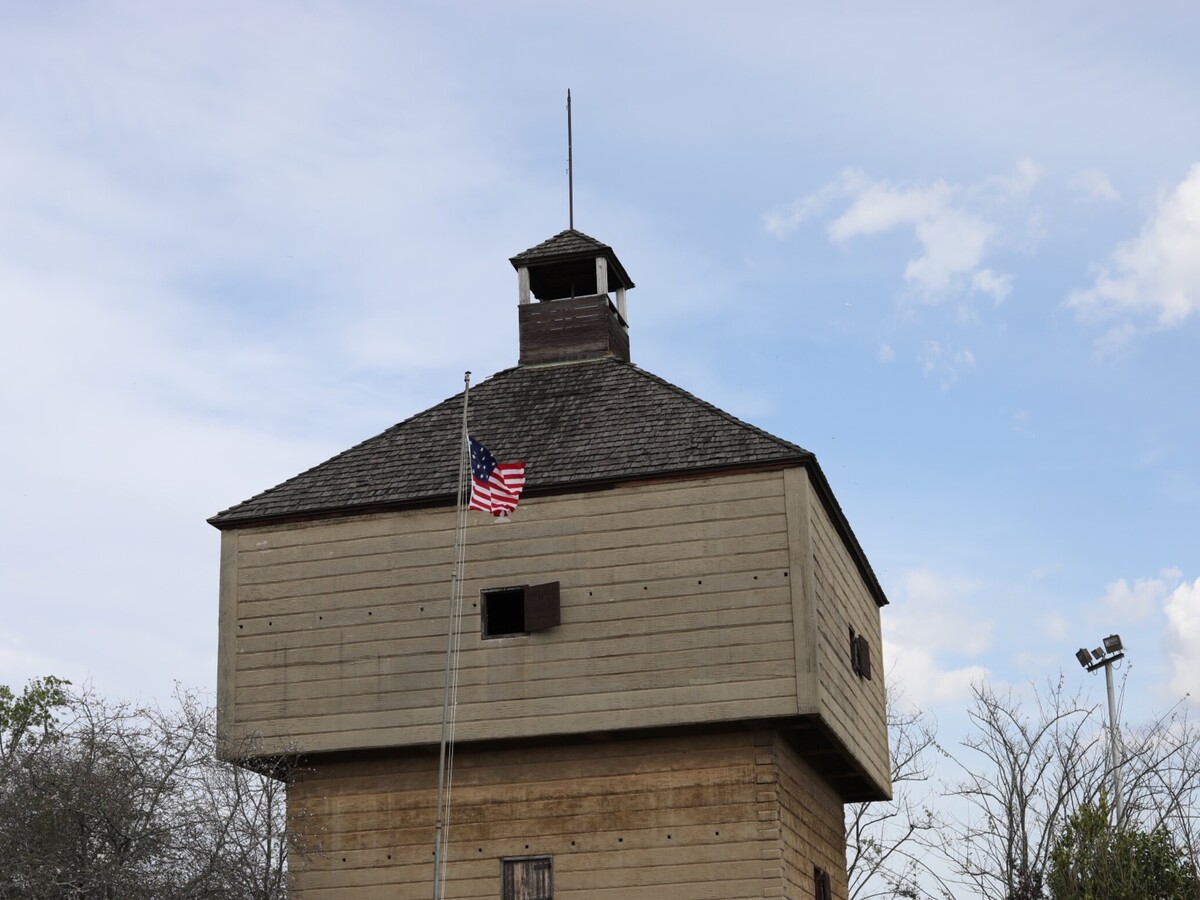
495,487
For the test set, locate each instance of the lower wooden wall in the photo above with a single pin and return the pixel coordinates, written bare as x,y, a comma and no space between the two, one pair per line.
669,818
812,825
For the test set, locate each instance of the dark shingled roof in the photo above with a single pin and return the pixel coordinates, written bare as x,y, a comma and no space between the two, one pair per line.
572,424
566,243
570,244
575,425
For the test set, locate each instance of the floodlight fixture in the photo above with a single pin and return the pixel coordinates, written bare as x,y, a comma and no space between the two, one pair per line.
1105,658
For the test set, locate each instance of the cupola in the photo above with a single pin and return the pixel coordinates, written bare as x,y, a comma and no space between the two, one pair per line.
570,277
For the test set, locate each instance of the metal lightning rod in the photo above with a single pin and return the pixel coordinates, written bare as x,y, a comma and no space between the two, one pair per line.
570,169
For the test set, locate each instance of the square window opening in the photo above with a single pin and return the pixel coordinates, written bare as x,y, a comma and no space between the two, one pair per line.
520,610
504,612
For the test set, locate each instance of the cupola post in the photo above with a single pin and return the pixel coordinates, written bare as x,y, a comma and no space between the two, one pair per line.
523,285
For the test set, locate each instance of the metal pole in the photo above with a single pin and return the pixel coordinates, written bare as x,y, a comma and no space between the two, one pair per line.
451,615
1113,743
570,168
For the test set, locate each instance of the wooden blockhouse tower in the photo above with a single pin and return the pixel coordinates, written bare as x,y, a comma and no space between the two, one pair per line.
670,679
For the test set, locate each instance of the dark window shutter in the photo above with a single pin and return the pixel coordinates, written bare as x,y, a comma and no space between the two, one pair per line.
854,652
542,608
527,879
824,890
864,657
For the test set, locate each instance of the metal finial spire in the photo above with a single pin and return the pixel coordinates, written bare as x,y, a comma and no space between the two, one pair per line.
570,168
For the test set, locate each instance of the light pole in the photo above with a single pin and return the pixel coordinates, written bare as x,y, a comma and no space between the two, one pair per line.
1104,659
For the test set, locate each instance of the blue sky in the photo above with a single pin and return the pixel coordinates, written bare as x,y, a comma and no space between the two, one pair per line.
953,249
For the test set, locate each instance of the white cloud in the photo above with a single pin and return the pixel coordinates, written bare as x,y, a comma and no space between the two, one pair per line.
952,238
931,634
985,281
1125,602
943,362
1019,184
1054,625
957,226
1094,185
1154,277
1183,638
783,221
1044,571
924,680
937,606
886,353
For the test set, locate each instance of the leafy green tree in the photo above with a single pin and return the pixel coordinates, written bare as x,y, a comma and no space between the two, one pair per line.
31,716
1092,860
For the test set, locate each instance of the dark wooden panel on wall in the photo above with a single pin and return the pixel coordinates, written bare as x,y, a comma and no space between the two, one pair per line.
579,328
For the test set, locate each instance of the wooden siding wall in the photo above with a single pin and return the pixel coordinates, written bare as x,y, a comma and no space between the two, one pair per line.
851,706
812,825
674,818
580,328
676,608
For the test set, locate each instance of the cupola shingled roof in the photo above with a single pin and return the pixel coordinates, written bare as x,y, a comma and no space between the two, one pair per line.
576,426
571,244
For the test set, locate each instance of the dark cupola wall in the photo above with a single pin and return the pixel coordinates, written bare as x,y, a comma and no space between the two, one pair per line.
571,276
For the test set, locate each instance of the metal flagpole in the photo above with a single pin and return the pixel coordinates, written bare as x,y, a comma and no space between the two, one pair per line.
450,682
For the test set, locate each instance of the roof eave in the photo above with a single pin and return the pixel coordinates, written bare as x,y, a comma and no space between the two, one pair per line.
225,522
842,524
605,251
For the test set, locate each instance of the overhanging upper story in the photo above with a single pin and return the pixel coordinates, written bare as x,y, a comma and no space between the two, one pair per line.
698,572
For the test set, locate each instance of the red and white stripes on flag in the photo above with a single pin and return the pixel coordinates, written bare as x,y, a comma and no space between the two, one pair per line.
495,487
